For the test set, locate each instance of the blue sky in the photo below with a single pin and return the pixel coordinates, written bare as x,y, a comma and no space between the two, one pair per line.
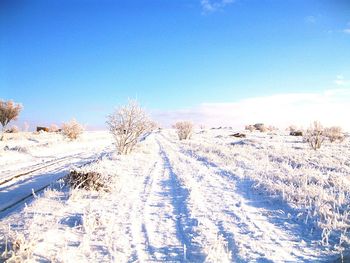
81,58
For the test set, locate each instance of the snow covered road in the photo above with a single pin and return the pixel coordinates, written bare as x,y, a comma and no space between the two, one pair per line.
167,204
229,224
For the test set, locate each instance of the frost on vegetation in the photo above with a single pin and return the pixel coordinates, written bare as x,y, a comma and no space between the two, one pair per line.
316,184
315,135
13,129
16,247
72,130
87,180
53,128
219,251
184,129
8,111
260,127
127,125
334,134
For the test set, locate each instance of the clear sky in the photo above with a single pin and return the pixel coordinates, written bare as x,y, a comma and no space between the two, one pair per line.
181,59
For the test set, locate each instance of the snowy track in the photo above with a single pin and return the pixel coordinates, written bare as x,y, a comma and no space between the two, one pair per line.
223,212
168,203
8,177
188,209
18,188
166,226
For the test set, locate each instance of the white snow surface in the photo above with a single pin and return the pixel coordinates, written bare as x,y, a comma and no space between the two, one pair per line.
214,198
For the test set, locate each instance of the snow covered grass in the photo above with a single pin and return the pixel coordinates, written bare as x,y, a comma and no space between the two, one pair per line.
25,149
214,198
316,184
75,225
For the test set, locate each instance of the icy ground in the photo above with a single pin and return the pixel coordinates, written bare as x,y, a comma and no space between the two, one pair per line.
215,198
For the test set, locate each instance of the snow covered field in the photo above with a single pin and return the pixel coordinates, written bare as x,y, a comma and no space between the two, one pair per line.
214,198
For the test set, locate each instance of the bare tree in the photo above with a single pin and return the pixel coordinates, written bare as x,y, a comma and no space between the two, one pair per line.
315,135
72,129
184,129
8,111
127,124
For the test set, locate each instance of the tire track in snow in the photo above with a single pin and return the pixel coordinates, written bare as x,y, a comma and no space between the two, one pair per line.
218,243
142,249
30,183
184,223
163,229
35,168
248,233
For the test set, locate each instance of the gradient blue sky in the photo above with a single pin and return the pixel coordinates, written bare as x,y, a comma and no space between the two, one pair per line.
81,58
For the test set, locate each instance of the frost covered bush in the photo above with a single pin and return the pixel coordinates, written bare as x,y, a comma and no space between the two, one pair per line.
250,128
72,129
334,134
294,131
127,125
86,180
259,127
315,135
13,129
184,129
8,111
53,128
292,128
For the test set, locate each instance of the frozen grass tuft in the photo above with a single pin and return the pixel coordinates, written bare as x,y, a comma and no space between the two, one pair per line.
87,180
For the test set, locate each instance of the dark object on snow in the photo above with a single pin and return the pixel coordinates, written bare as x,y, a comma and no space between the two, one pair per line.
87,181
45,129
16,149
238,135
259,126
296,133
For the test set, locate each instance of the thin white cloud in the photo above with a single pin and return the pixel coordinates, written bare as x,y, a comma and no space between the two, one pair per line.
280,110
311,19
341,81
347,29
214,5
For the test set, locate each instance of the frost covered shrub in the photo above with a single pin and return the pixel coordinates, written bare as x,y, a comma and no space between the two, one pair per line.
292,128
296,133
127,125
72,129
250,128
261,127
334,134
53,128
13,129
86,180
8,111
184,129
315,135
